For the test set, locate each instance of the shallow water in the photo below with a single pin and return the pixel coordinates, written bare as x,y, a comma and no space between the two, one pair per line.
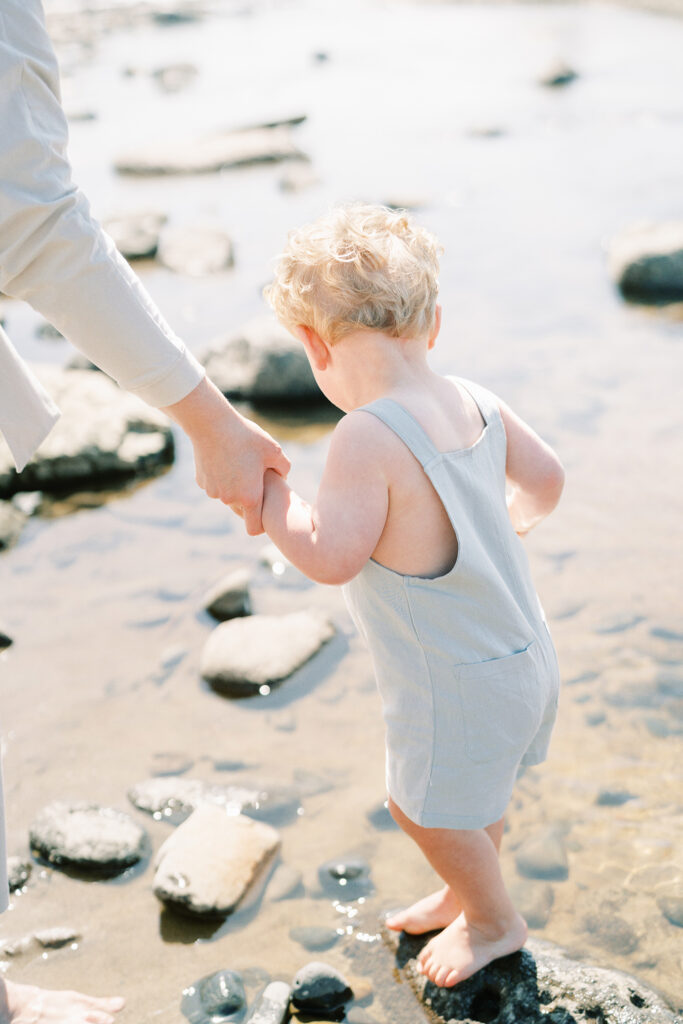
98,598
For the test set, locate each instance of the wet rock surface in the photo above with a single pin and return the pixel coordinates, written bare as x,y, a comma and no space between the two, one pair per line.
207,865
320,988
230,597
262,362
18,871
174,799
212,153
244,655
104,434
55,938
88,836
195,251
646,262
345,878
218,997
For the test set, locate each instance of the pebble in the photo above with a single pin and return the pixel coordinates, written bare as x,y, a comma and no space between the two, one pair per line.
272,1006
55,938
319,988
18,871
207,865
672,908
218,998
247,656
314,938
285,883
380,817
230,597
136,235
558,74
543,856
596,718
195,251
12,522
534,901
646,262
345,878
87,835
613,797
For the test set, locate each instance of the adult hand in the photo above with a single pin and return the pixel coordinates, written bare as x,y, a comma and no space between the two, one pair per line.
231,453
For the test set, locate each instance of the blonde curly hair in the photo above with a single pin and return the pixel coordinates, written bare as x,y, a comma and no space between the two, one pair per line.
359,266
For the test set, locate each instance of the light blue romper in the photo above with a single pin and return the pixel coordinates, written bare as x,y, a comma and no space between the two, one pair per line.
465,665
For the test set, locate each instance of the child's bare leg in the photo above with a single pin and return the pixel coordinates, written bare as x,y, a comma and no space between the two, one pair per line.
441,907
488,925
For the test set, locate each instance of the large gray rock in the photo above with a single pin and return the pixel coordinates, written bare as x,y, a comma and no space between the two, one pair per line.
213,153
136,235
541,984
646,262
207,865
244,656
104,434
172,798
12,522
262,362
230,597
195,251
86,835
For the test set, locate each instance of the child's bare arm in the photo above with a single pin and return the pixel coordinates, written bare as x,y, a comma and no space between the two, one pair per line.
331,540
534,473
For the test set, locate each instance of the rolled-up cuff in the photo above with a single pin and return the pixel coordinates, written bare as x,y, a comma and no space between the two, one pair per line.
175,384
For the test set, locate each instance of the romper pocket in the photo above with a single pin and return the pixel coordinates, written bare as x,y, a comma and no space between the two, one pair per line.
500,705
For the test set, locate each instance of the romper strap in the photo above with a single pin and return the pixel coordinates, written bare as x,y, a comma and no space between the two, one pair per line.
405,426
485,399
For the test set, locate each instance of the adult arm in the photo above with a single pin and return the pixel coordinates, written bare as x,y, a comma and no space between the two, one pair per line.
534,473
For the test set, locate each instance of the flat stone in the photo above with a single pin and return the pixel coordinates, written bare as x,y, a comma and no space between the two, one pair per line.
646,262
262,362
212,153
534,901
55,938
195,251
272,1006
88,836
230,597
104,434
217,998
314,938
285,883
18,872
247,656
543,856
345,878
136,235
12,522
613,797
207,865
320,988
174,799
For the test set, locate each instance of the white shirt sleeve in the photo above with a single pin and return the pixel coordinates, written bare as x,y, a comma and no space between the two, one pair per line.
53,254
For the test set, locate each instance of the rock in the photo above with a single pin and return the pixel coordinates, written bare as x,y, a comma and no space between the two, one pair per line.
272,558
230,597
48,332
298,177
314,938
212,153
541,984
81,362
215,999
319,988
12,521
247,656
285,883
262,362
168,762
613,797
55,938
175,16
611,931
646,262
543,856
5,639
558,74
380,817
207,865
87,835
174,799
534,901
15,947
136,235
272,1006
345,878
672,908
103,434
18,871
174,77
486,131
195,251
28,502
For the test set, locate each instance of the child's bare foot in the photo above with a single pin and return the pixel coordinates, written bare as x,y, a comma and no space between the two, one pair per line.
434,911
461,950
25,1004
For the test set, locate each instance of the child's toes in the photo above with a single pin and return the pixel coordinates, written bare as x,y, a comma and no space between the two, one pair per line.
440,975
450,980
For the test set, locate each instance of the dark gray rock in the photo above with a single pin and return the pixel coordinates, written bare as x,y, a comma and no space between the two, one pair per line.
81,362
558,74
86,835
247,656
319,988
213,153
534,901
230,597
5,639
136,235
543,856
613,797
541,984
48,332
18,872
218,998
672,908
104,434
262,362
314,938
173,799
12,522
195,251
345,878
646,263
56,938
272,1006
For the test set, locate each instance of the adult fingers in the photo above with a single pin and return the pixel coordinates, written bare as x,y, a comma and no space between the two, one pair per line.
251,514
281,464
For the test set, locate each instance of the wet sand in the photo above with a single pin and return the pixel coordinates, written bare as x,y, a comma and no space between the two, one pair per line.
96,599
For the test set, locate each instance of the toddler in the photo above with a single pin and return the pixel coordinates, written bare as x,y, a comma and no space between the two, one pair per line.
428,482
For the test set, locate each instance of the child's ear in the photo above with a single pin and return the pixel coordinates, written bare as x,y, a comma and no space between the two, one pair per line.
317,350
436,328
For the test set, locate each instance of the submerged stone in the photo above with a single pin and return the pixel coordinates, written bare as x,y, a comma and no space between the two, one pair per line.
218,998
314,938
173,798
87,835
346,878
543,856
